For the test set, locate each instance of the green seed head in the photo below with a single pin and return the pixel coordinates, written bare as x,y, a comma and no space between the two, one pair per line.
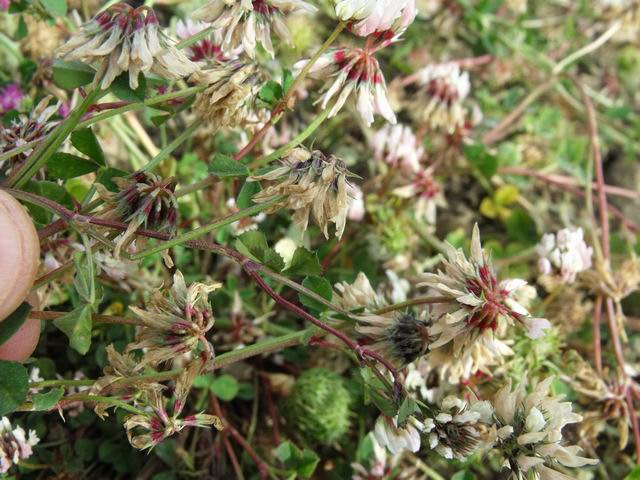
319,407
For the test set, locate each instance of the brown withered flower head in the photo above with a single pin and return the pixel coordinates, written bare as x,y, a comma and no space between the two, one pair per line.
401,336
175,322
143,200
148,430
232,86
310,183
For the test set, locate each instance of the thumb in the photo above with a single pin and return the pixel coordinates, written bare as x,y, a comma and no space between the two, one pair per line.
19,254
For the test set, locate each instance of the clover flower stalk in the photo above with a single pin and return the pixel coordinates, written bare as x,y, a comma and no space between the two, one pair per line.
175,322
310,184
247,23
15,444
353,74
126,39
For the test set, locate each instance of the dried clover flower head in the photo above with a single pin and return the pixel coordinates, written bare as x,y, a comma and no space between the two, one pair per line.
476,299
310,184
126,39
157,424
459,429
402,337
143,199
175,322
444,89
232,88
617,284
15,445
24,130
353,73
529,431
248,22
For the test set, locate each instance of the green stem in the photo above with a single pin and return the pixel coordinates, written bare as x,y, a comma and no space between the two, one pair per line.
223,360
187,42
307,68
51,144
140,105
312,127
198,232
81,397
18,150
168,150
412,303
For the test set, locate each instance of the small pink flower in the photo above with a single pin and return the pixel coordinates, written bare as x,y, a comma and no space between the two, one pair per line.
11,95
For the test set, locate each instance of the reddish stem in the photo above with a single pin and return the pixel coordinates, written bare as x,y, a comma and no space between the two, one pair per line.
259,135
253,270
272,409
262,466
634,422
597,335
597,157
615,335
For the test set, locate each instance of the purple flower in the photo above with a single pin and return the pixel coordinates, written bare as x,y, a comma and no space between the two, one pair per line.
11,95
4,5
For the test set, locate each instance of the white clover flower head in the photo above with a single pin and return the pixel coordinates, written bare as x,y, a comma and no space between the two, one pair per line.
249,22
207,49
359,294
397,146
459,361
444,89
529,430
565,254
356,75
427,194
478,300
15,444
357,209
457,431
368,17
126,39
396,439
